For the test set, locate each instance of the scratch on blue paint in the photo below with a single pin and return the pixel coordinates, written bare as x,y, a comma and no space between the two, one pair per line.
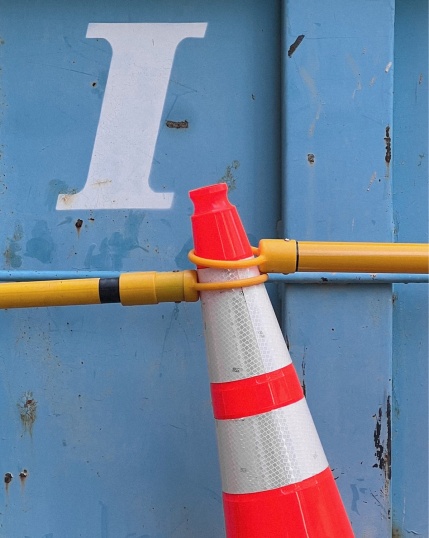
355,498
104,520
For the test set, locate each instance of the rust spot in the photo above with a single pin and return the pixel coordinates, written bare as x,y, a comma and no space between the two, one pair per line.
388,141
295,45
177,124
310,158
27,411
8,477
67,197
78,224
23,475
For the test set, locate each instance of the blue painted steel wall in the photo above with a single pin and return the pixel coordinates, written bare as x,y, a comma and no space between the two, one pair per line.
104,410
108,408
342,183
410,321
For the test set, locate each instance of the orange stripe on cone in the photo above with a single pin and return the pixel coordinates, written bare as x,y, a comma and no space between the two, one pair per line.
311,508
257,394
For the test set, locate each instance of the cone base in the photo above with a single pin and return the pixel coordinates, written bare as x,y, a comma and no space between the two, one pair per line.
309,509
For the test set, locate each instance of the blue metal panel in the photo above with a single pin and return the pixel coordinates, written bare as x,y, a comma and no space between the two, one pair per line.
338,65
410,322
108,409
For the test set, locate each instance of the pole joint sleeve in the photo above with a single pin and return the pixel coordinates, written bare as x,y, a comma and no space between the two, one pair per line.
155,287
280,255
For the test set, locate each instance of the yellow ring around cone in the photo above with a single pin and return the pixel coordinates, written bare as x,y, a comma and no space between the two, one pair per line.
231,284
227,264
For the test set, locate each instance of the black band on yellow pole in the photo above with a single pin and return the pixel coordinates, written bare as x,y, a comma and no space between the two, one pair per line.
108,289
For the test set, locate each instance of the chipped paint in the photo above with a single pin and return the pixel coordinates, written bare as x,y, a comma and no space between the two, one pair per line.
295,45
388,141
388,152
23,474
28,411
388,66
177,124
23,477
383,443
8,477
303,385
229,177
372,179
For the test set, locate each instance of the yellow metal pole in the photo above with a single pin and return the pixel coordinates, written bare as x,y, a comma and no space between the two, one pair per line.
129,289
275,256
289,256
49,293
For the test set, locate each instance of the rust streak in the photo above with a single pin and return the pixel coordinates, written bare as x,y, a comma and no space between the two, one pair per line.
28,411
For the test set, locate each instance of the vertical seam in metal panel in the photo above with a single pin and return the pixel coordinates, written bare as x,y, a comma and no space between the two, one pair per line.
283,189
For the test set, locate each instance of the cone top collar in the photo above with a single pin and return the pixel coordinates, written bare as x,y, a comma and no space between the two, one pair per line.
217,228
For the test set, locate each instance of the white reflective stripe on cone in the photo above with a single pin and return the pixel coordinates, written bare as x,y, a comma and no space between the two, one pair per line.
269,450
243,337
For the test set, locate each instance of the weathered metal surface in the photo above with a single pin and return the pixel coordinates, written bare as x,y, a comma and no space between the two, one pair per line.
410,309
106,425
105,418
337,184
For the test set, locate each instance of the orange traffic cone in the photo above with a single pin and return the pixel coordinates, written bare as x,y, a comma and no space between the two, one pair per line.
275,477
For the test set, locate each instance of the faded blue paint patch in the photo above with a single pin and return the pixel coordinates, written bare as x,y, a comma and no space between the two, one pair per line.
41,245
182,260
56,187
355,498
114,249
